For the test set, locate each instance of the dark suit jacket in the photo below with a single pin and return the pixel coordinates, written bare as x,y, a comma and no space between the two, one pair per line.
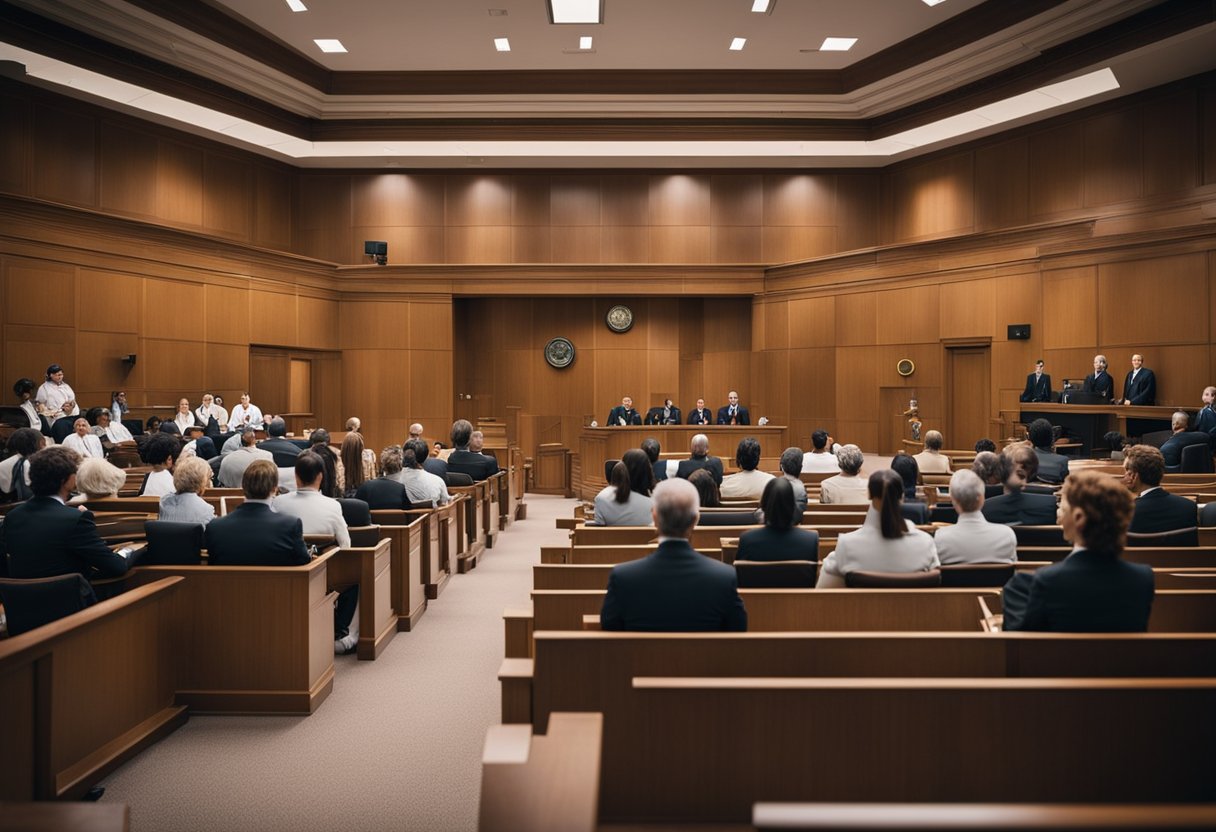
1144,391
253,535
660,470
673,589
475,465
631,417
383,493
687,466
741,418
700,417
1171,449
1205,421
1161,511
1087,592
435,465
1053,467
284,451
770,544
1104,385
1040,392
43,538
1020,507
654,416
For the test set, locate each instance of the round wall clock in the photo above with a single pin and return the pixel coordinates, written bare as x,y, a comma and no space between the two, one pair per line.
559,352
619,318
905,367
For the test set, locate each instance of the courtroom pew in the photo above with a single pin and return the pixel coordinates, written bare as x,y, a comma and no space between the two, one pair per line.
369,567
408,596
434,571
476,514
700,750
609,553
64,817
259,639
83,694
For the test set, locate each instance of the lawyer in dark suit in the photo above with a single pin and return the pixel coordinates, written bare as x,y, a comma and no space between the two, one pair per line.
43,537
1093,590
733,413
675,588
780,539
1038,385
667,414
623,414
1156,510
1100,381
700,459
252,534
1140,386
700,415
281,448
464,461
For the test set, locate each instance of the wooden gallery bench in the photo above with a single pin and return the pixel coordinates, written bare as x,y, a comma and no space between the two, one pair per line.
254,639
434,568
83,694
409,556
371,568
481,515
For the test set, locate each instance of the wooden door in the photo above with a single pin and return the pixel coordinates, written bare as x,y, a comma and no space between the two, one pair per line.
968,389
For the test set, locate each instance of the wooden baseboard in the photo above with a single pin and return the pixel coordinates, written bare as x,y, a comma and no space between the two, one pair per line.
300,702
433,590
521,511
406,623
73,782
369,648
491,538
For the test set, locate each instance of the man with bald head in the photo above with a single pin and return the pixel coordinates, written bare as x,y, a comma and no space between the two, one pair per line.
733,413
675,588
700,459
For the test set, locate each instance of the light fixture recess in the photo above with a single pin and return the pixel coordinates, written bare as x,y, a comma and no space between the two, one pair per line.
576,11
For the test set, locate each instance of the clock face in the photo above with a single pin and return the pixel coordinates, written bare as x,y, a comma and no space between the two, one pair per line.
559,352
905,367
619,318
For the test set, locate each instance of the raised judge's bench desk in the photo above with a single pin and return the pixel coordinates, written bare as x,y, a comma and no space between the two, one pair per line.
597,445
1088,422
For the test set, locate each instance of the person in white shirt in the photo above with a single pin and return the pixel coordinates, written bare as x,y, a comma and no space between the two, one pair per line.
118,405
115,432
747,484
82,440
318,513
931,460
24,388
210,410
973,539
56,398
846,488
821,459
23,443
245,413
160,451
184,417
422,487
886,542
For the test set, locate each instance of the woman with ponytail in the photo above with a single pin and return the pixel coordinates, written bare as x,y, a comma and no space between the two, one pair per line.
886,542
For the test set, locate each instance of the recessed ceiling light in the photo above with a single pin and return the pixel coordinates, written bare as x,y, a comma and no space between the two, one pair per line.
584,42
329,44
497,12
837,44
766,6
933,2
297,5
737,44
576,11
502,44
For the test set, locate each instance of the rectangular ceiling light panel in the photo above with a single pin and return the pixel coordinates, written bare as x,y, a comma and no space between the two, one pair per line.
837,44
297,5
576,11
329,44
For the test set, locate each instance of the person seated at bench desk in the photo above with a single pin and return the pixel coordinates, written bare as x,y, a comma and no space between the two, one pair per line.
675,588
780,539
1017,504
318,514
972,539
626,501
386,491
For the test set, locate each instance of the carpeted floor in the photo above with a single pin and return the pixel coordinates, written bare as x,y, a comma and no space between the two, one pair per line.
397,745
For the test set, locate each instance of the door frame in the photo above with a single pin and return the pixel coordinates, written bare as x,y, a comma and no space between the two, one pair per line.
949,345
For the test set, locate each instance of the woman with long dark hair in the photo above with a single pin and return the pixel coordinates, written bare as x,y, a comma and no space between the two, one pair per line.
626,500
332,481
886,542
352,464
780,539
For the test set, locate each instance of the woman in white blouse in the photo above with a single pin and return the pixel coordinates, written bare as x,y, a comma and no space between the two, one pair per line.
184,417
626,502
115,433
886,542
83,441
24,388
209,409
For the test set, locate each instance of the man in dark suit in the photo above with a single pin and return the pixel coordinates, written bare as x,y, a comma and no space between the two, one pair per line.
281,448
700,414
1093,590
385,491
1052,467
1140,386
252,534
462,460
1016,505
700,459
1171,449
43,537
623,414
1156,510
652,448
431,463
1038,385
733,413
1100,381
675,588
668,414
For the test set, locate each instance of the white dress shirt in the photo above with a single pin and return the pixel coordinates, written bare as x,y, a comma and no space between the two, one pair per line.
117,432
423,487
866,550
744,485
240,412
319,514
183,421
6,473
87,445
930,462
31,412
824,463
845,491
158,484
52,397
217,411
974,540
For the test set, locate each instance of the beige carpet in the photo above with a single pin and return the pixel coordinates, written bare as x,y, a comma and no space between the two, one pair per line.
397,745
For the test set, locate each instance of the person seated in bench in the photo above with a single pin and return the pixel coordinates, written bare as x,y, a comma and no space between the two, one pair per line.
44,537
780,539
1156,510
673,589
161,453
972,539
699,458
97,479
707,490
914,507
386,491
465,461
886,542
626,501
254,534
191,477
421,486
791,467
1092,590
931,460
821,459
318,514
15,469
1052,467
1017,504
846,488
748,483
993,469
234,465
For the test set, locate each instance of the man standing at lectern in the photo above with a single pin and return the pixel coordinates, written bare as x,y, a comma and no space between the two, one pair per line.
1038,385
624,414
733,413
1140,386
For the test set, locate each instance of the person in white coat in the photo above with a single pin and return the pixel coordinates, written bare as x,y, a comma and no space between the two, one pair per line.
973,539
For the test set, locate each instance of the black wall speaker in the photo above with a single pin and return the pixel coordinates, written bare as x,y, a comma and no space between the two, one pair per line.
1019,332
374,247
129,359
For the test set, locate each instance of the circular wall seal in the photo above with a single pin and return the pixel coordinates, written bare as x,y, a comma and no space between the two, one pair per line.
619,318
559,353
905,367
